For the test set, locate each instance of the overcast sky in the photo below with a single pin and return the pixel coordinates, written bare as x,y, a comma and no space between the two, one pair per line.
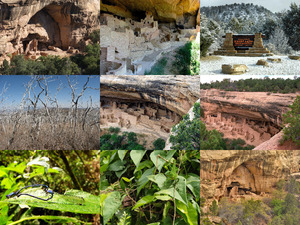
272,5
209,78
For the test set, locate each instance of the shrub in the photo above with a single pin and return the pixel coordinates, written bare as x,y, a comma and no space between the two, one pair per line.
159,144
205,43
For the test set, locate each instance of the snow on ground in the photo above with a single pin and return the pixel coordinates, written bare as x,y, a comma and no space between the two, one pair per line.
286,67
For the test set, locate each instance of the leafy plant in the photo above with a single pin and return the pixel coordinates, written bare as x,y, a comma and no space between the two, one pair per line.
138,184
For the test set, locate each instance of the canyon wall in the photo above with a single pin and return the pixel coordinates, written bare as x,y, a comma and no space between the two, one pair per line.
181,11
244,174
148,105
52,23
252,116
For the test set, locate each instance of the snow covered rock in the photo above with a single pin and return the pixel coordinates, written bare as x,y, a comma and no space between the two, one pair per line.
262,62
294,57
234,69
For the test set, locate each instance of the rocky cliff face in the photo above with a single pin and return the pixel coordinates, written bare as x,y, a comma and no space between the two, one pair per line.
242,174
252,116
134,34
56,23
180,11
148,105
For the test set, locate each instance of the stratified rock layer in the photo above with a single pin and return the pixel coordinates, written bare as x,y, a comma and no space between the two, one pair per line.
176,93
253,116
146,105
59,23
233,173
163,10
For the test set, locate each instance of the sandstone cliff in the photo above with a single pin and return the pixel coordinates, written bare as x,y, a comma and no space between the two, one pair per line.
56,23
163,10
148,105
252,116
176,93
242,174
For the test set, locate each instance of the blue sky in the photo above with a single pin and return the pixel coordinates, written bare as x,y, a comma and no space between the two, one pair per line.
16,87
210,78
272,5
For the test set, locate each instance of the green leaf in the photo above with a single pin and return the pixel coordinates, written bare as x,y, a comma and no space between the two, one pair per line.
158,223
71,201
60,219
181,188
122,154
7,183
39,171
127,180
170,192
159,179
18,168
117,166
193,183
189,211
136,156
110,205
3,173
120,173
159,162
144,179
143,201
163,197
142,165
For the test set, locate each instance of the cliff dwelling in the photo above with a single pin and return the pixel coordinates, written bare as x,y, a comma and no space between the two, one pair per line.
254,117
134,37
254,132
35,28
146,105
143,117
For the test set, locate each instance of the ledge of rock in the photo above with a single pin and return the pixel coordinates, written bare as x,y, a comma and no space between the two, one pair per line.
177,93
166,10
253,116
238,174
146,105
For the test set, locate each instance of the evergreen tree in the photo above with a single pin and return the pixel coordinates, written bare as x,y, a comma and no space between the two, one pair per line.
292,26
292,121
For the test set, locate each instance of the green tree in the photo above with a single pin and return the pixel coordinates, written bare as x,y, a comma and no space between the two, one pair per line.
187,132
291,22
159,144
292,121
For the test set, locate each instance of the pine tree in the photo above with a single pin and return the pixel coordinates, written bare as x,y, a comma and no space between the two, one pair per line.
292,26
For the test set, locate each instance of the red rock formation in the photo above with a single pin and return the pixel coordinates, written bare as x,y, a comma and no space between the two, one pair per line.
253,116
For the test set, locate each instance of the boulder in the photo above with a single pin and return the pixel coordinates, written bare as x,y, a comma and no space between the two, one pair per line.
274,59
234,69
294,57
262,62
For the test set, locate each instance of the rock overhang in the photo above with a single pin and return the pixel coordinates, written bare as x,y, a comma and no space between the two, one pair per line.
176,93
164,11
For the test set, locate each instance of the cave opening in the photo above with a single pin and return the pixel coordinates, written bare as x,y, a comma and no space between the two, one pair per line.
52,25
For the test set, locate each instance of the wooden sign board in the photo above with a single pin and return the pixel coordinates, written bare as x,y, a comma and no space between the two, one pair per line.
243,41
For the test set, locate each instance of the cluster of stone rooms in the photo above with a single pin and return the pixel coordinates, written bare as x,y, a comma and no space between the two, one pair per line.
125,43
137,116
46,28
251,131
